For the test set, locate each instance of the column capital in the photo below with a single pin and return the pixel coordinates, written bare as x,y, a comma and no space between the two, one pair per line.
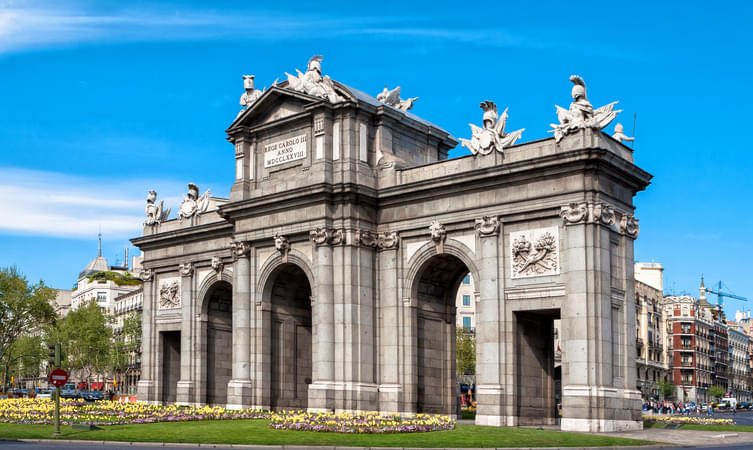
327,236
146,275
588,212
186,269
240,249
629,226
487,226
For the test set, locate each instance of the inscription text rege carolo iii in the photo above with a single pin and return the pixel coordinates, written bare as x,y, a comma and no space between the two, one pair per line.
285,151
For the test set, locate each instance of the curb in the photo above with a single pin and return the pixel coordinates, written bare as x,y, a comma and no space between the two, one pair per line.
318,447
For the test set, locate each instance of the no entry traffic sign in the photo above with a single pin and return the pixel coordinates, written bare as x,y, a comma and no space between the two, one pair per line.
58,377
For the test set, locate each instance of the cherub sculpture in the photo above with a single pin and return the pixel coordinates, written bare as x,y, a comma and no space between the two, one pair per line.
192,203
581,114
155,214
619,135
313,83
492,136
252,94
392,98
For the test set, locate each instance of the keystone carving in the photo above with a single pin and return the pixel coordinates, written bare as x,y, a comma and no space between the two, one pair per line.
629,226
487,226
282,244
146,274
217,265
186,269
438,235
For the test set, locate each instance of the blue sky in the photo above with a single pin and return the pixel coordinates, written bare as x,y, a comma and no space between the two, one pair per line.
100,103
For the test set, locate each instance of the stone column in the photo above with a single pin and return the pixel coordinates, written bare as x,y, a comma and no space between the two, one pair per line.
146,385
321,389
240,387
390,329
491,394
185,391
592,400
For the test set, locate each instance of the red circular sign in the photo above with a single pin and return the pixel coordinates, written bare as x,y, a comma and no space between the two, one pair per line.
58,377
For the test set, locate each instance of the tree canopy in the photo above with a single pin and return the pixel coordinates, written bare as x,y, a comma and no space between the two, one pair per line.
86,339
465,351
23,308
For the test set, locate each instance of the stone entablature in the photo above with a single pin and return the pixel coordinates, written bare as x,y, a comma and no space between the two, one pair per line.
340,257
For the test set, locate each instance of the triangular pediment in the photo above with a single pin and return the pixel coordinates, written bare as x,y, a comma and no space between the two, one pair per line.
276,103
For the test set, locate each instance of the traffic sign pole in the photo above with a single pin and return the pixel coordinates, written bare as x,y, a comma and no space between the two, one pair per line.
58,377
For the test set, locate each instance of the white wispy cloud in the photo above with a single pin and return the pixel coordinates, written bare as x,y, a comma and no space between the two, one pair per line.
50,25
60,205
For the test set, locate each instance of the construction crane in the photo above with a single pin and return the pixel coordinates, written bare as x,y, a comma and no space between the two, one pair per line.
721,294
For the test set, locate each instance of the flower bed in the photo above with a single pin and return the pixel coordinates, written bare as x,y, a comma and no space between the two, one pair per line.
366,422
42,411
684,420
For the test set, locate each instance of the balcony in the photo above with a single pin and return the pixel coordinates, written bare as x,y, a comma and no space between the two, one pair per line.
639,343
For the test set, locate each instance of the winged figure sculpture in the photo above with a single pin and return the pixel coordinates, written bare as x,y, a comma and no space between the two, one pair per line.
581,113
392,98
492,136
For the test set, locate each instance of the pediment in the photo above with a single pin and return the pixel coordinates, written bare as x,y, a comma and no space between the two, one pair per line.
276,103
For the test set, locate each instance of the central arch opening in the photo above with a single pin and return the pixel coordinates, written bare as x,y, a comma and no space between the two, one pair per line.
438,381
290,298
219,342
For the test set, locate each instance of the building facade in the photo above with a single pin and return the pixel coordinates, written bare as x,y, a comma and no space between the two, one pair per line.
465,302
692,347
129,304
652,342
328,279
739,374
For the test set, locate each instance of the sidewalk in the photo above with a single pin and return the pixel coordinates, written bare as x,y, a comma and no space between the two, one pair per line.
688,438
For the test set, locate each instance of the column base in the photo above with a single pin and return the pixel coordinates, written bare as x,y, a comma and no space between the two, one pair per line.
342,396
600,425
185,393
146,392
496,421
390,397
240,394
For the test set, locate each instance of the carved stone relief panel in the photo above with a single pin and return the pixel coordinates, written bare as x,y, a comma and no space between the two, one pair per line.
169,293
535,252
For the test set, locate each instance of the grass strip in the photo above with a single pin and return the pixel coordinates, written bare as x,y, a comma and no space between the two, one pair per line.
691,426
257,432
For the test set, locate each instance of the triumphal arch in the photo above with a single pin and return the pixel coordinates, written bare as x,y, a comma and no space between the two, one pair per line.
327,280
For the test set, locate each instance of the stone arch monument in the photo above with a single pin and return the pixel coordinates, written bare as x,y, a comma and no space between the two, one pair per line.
326,280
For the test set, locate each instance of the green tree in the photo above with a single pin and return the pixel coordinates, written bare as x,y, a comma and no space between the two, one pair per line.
86,339
126,343
666,388
465,351
716,392
23,308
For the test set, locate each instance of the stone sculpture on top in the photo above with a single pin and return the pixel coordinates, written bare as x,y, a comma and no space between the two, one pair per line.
252,94
313,83
620,135
492,136
193,204
155,214
392,98
581,114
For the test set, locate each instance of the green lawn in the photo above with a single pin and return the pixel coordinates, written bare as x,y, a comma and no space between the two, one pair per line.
257,432
690,426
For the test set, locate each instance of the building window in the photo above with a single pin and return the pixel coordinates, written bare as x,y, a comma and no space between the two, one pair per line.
467,323
101,296
466,300
467,279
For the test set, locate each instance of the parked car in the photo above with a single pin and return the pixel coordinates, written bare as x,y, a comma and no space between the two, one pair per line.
45,393
91,396
69,391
